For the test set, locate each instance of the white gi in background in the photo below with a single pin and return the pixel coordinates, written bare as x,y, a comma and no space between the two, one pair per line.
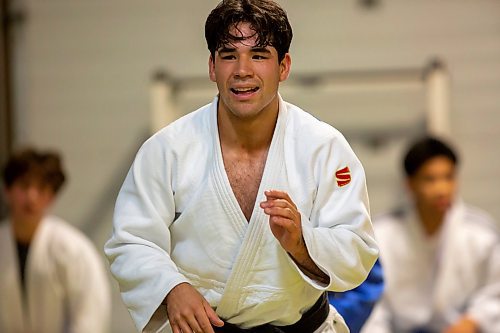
433,282
66,285
177,220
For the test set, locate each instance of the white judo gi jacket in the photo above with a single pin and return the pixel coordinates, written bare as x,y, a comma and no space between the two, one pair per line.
177,220
66,285
431,283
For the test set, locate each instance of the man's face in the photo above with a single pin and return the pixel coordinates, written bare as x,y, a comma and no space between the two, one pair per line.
28,199
247,76
434,185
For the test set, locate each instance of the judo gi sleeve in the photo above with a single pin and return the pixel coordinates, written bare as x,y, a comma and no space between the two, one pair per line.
338,233
87,292
485,305
139,249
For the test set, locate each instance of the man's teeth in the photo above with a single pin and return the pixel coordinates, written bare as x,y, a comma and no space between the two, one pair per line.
244,90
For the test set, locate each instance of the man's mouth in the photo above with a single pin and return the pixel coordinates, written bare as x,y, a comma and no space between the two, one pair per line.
242,91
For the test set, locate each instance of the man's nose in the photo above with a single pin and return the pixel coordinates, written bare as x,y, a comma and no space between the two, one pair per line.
444,187
243,68
33,193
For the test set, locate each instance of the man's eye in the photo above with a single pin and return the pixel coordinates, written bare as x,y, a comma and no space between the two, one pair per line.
227,57
259,57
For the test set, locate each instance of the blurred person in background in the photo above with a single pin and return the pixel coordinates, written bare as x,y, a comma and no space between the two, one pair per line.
240,216
52,279
441,257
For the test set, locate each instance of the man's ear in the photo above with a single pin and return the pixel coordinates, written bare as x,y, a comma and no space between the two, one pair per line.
52,199
211,68
410,184
285,67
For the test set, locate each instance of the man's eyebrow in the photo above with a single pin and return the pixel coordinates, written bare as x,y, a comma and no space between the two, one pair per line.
226,49
260,50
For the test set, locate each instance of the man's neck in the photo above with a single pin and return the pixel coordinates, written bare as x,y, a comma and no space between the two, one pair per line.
25,229
431,220
250,135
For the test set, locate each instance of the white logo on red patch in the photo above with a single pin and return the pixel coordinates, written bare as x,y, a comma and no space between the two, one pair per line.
343,176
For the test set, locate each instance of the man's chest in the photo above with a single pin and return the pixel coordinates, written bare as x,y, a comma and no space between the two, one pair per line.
245,176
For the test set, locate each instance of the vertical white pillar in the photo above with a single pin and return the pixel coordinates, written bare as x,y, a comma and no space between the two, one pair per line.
163,109
438,100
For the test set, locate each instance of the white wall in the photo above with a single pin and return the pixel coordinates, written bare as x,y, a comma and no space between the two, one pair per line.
83,70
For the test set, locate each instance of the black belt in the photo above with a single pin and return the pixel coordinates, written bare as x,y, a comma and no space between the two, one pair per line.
311,320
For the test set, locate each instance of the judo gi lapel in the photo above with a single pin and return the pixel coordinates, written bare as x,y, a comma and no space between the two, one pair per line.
221,181
254,229
33,284
42,282
11,318
451,278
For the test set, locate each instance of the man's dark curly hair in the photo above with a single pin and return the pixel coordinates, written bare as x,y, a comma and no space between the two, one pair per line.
424,149
46,167
266,18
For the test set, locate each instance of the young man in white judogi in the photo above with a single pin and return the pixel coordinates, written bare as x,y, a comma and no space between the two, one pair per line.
240,215
52,280
441,257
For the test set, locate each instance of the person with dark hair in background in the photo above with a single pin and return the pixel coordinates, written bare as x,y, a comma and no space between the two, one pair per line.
52,278
242,214
441,257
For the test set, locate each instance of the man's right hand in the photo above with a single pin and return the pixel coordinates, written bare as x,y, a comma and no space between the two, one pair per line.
189,312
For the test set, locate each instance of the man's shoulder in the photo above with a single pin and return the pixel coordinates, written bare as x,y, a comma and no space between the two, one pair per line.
65,236
181,133
304,122
59,226
308,130
189,124
476,218
67,246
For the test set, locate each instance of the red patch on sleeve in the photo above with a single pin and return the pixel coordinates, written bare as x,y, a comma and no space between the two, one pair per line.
343,176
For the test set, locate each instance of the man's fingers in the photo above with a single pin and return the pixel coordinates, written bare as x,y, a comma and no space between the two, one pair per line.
276,203
175,328
203,319
195,324
281,212
284,223
212,316
185,327
189,312
280,204
276,194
